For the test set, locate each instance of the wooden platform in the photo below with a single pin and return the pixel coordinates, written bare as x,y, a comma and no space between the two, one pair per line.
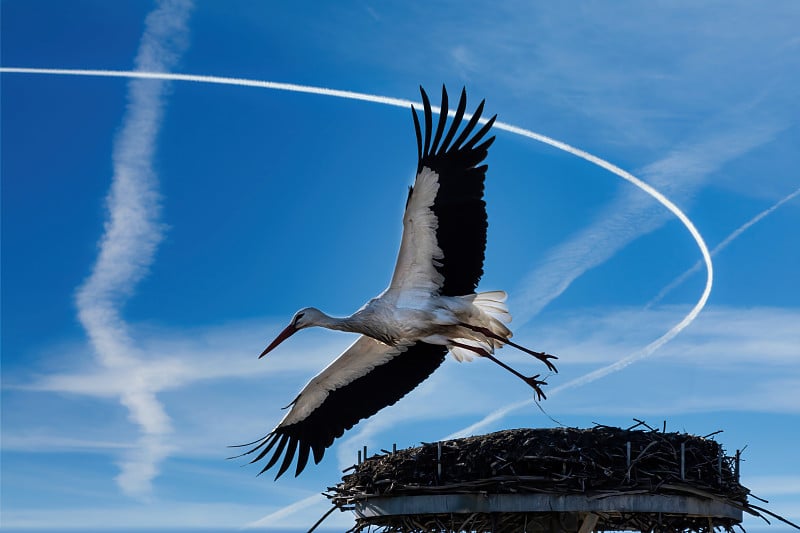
547,513
545,503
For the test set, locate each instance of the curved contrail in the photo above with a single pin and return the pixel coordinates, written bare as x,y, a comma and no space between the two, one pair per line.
399,102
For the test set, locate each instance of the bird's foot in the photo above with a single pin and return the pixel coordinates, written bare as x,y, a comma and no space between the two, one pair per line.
545,358
536,385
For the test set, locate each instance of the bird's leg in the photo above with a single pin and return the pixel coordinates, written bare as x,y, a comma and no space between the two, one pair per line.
541,356
531,381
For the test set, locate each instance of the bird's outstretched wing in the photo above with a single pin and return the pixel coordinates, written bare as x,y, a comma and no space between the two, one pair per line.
367,377
444,225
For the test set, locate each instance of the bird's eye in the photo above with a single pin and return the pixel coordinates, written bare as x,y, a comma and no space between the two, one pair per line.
298,317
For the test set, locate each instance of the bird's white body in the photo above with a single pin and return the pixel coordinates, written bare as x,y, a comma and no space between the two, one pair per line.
426,318
429,308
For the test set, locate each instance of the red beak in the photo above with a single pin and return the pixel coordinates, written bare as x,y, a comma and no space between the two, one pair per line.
285,334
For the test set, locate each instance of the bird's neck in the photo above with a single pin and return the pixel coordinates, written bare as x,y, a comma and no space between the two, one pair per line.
337,323
362,322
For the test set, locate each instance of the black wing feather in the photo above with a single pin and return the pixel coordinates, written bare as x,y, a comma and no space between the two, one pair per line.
440,128
302,458
287,459
484,146
426,106
470,125
282,440
459,116
483,131
419,136
345,406
459,206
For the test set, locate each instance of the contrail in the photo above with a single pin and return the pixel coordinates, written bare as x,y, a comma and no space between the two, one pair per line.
241,82
398,102
718,248
127,247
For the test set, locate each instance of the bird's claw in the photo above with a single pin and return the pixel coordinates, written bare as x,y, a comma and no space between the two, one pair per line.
535,384
545,358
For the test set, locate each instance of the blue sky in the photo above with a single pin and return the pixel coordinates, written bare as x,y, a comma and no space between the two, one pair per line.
155,235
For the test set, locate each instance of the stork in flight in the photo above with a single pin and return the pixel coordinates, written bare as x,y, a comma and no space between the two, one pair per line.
429,308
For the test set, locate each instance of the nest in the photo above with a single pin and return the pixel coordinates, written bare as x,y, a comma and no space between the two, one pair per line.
599,462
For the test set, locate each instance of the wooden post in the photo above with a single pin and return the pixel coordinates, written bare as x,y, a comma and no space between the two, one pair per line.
683,460
439,461
589,521
738,463
628,455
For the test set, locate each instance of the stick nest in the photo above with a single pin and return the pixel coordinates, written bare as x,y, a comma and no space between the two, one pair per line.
598,461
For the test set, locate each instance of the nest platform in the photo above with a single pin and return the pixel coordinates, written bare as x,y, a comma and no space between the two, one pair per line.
549,480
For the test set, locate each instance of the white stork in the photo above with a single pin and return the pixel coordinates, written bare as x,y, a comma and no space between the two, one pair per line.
429,308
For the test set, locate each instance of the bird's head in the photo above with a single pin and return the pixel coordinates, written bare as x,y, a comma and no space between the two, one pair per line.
304,318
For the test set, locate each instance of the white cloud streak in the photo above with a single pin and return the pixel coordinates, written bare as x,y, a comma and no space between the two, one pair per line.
128,245
720,247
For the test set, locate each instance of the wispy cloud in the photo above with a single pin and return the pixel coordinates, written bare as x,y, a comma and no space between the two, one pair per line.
32,442
132,234
205,423
156,516
168,362
643,100
301,514
774,485
761,341
631,215
765,339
